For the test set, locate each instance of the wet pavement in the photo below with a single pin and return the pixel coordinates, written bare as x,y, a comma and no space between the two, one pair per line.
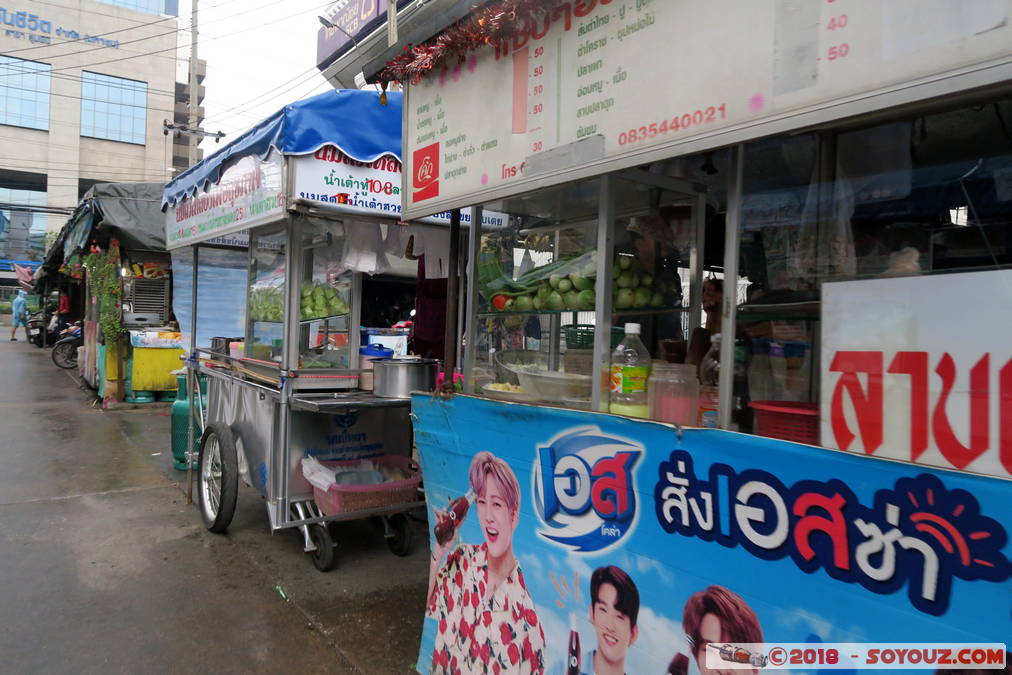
107,569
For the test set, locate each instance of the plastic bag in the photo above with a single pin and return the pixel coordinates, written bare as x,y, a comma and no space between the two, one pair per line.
317,474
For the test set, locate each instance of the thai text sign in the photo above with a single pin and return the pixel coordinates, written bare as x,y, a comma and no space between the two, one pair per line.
329,176
350,18
565,540
920,369
619,78
249,193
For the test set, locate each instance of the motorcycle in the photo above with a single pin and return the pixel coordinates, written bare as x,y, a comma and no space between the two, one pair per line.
38,328
64,352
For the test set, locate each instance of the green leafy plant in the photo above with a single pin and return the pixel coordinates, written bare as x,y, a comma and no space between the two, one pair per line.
103,274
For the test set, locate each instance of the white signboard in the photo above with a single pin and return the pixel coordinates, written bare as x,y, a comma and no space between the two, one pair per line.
250,192
328,176
601,82
920,369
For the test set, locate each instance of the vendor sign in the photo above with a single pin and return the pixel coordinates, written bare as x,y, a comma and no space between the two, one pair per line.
567,542
248,193
920,369
583,87
330,177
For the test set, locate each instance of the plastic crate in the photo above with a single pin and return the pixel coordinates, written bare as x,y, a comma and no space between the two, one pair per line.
581,335
339,499
787,420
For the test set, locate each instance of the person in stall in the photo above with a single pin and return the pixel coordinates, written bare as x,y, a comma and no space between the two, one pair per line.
429,329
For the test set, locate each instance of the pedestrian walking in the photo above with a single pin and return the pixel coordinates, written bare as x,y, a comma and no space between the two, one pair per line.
19,312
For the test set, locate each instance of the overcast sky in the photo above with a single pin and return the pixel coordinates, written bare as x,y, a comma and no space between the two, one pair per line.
261,55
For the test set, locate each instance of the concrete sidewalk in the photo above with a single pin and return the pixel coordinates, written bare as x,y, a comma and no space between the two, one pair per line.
108,570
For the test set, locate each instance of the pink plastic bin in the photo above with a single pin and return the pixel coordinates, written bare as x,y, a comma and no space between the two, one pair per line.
346,498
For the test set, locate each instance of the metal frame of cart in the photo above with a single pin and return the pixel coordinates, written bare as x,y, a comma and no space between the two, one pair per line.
259,413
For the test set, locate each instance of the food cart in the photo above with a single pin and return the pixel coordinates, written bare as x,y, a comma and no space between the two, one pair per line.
295,195
826,164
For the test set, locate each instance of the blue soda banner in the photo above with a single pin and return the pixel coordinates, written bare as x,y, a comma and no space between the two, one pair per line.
575,542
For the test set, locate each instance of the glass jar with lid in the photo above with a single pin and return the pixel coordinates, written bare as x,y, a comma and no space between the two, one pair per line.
673,393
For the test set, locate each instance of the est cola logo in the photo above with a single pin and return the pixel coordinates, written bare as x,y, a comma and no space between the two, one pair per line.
583,489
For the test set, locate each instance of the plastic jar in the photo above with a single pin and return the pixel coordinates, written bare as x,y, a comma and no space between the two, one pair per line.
366,356
673,391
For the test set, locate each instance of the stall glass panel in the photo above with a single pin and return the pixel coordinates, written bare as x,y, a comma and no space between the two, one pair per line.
325,292
534,324
910,196
266,299
657,219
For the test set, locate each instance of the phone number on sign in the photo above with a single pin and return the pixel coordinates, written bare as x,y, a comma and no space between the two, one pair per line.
676,123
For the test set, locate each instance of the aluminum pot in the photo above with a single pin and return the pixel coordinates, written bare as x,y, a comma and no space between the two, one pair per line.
397,378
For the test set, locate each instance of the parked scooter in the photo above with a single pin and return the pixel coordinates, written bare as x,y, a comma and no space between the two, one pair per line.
64,352
39,327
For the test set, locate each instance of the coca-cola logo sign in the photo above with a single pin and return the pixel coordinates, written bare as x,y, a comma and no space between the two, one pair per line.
425,173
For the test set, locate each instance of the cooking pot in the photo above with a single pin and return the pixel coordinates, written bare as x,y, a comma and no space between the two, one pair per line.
397,378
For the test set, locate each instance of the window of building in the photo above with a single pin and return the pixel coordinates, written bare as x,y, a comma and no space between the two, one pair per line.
24,93
170,7
22,226
113,108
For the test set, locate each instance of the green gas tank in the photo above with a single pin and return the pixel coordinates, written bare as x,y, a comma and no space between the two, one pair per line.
180,416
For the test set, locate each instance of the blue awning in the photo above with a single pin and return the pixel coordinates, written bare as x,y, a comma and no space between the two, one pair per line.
353,120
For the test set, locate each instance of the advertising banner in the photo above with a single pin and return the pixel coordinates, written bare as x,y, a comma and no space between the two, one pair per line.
576,542
601,82
930,384
249,192
328,176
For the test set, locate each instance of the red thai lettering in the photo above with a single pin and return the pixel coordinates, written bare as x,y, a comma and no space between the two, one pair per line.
915,364
1005,416
867,404
834,526
564,11
958,454
611,494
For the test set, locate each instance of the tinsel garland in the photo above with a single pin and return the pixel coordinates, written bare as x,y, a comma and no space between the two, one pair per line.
488,25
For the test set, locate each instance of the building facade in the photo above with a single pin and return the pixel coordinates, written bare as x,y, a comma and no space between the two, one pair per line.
85,86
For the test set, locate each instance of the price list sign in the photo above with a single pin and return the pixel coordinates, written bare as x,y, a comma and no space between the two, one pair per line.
607,82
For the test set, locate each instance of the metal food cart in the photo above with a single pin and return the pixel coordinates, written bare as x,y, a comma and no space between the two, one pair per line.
288,388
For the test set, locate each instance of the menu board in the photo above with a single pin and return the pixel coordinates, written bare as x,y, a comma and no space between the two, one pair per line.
608,82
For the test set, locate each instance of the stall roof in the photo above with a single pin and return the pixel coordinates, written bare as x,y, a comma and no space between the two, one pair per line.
353,120
130,212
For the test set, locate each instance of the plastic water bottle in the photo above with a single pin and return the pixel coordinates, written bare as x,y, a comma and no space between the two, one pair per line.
630,368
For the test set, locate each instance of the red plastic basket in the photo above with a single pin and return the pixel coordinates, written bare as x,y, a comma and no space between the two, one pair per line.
787,420
347,498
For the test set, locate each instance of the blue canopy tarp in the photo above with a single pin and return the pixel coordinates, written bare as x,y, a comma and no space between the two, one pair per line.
353,120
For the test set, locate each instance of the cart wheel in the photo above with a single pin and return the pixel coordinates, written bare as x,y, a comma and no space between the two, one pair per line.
219,477
400,541
323,557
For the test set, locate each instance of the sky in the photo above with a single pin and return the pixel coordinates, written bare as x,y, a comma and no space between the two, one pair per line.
261,55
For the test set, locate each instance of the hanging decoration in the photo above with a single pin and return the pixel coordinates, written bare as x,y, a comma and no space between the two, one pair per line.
494,24
104,276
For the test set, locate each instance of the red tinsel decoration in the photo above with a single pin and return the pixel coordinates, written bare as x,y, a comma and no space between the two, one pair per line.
488,25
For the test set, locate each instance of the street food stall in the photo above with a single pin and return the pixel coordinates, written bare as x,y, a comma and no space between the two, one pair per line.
291,406
753,254
109,269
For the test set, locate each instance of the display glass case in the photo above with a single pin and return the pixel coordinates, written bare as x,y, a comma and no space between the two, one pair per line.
556,287
265,312
325,297
536,284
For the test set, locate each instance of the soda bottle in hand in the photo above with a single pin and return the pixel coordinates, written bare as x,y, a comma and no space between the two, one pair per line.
573,658
448,521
